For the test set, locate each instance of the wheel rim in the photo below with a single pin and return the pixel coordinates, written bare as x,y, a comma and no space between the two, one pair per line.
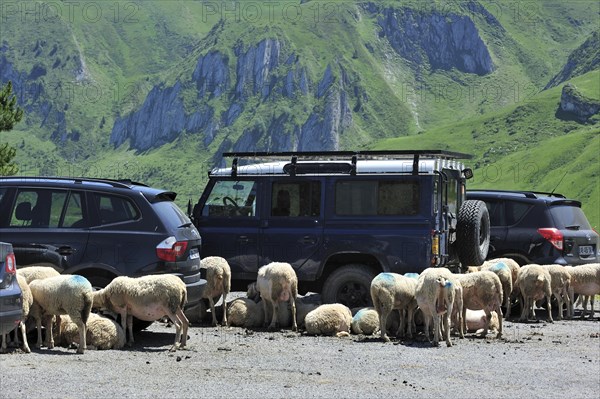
353,294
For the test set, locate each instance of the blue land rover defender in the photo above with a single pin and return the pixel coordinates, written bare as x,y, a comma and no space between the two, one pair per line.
340,218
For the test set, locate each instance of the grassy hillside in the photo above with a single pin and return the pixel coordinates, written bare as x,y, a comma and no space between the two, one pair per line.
527,147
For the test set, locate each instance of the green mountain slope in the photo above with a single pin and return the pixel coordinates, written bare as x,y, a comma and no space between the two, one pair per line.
527,147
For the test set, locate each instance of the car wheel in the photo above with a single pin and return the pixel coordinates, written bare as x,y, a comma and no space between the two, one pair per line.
99,282
349,285
473,233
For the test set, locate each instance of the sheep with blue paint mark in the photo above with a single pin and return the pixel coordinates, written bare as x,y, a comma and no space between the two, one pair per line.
148,298
436,292
365,321
64,294
482,291
391,291
504,274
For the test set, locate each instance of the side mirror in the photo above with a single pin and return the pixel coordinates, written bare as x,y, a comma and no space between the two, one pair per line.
467,173
189,208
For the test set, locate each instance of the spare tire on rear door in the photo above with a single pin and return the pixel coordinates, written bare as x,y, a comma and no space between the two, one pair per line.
473,233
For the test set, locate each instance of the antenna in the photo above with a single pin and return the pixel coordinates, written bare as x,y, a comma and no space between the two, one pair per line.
565,175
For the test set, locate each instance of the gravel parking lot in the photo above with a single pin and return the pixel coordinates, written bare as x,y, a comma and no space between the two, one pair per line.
535,359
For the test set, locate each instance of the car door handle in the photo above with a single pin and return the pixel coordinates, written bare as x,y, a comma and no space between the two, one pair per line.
243,239
308,240
65,250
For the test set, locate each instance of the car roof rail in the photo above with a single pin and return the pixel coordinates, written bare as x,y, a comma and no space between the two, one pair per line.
352,156
526,193
117,183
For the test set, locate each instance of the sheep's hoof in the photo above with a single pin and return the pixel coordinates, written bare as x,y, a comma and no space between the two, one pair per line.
385,339
26,349
80,351
448,344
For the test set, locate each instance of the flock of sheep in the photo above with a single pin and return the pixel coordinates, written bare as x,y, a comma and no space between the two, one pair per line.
441,300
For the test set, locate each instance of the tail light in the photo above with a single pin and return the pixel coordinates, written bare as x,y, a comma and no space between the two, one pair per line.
10,264
554,236
171,249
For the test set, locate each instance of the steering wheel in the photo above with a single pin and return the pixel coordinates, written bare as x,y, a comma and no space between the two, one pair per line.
232,202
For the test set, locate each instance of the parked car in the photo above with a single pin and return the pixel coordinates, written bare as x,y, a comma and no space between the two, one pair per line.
340,218
534,227
100,229
11,310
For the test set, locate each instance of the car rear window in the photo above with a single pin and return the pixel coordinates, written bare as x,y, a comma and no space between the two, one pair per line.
566,216
170,214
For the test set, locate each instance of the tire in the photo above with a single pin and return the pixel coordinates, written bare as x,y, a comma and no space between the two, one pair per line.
473,233
349,285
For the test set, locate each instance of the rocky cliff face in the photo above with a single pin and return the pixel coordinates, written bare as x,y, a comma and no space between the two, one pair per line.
446,41
574,103
261,71
584,59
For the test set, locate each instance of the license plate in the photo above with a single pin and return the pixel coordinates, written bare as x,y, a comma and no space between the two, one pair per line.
194,254
586,250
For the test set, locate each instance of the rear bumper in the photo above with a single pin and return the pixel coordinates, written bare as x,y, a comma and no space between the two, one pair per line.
195,285
10,315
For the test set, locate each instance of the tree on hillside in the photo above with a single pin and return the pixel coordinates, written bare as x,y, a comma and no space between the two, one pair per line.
10,114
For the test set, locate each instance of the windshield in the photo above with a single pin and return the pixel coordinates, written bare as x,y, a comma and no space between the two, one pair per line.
569,217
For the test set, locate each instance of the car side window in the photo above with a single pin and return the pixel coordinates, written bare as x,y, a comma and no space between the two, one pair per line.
377,198
515,211
496,212
114,209
46,209
296,199
231,198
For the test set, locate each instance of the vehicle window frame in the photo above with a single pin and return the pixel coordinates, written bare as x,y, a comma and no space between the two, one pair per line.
94,209
253,208
315,188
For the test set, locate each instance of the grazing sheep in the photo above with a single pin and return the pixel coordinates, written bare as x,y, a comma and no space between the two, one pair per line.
585,280
148,298
277,282
560,280
218,282
535,283
37,272
101,333
330,319
512,265
504,274
477,320
64,294
391,291
27,301
436,293
482,290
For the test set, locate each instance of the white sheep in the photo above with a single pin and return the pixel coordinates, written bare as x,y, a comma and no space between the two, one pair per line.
31,273
244,312
218,282
64,294
365,321
482,291
26,302
391,291
148,298
101,333
512,265
535,283
504,274
436,291
277,282
560,280
585,280
329,319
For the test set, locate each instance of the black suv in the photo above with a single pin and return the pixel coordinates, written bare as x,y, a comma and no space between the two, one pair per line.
99,229
534,227
340,218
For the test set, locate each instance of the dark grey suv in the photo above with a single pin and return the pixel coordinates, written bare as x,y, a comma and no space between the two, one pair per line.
534,227
340,218
100,229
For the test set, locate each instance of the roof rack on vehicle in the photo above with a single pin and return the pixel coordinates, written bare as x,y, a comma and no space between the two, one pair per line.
352,156
526,193
120,183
